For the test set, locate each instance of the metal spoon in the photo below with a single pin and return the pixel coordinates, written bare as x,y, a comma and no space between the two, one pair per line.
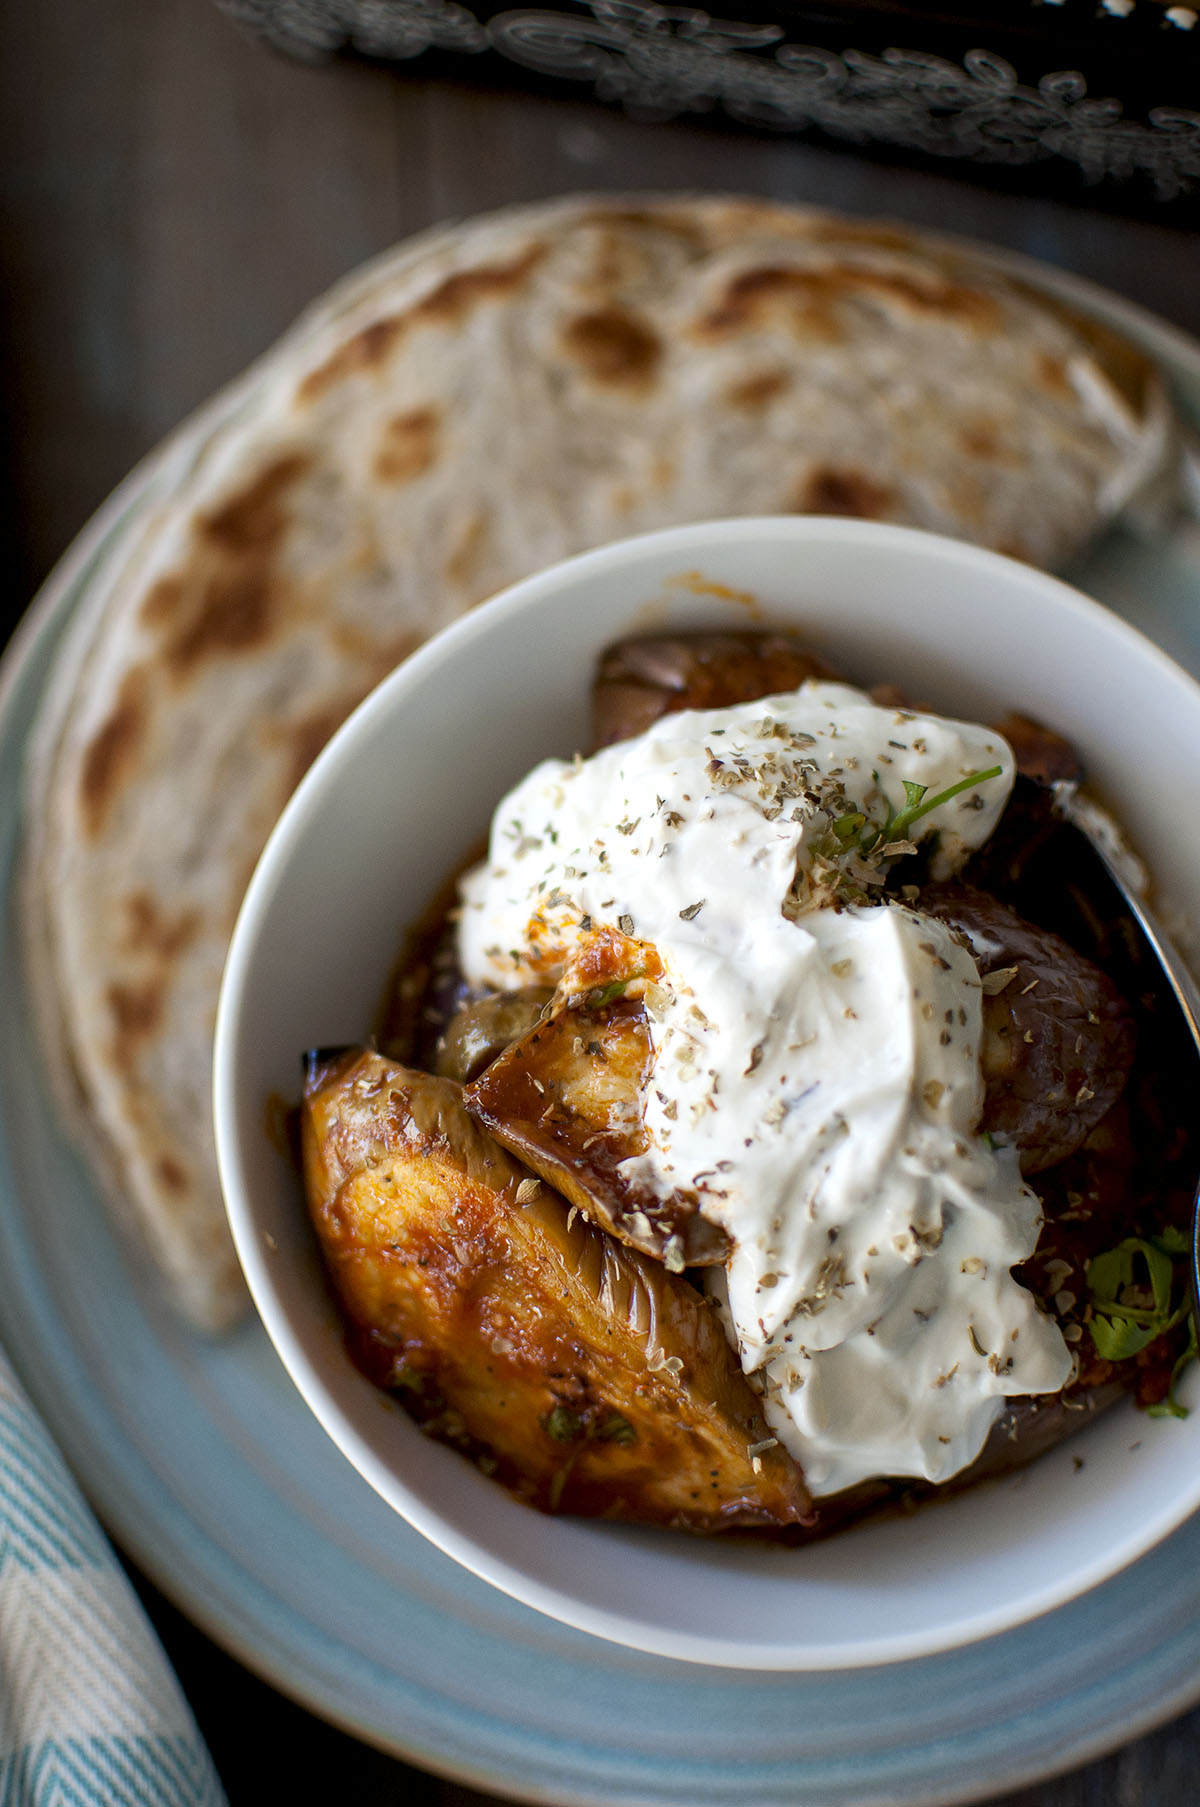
1123,871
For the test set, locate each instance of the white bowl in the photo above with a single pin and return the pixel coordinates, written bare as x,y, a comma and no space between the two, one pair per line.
395,801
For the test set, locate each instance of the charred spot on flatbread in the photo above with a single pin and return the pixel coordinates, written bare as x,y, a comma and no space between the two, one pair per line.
805,298
1052,374
408,445
367,351
173,1176
655,219
985,439
960,301
759,390
156,936
812,299
618,260
254,519
136,1010
613,346
231,595
112,753
233,613
448,303
828,490
150,928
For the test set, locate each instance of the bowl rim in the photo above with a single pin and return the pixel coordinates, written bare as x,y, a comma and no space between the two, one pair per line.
446,646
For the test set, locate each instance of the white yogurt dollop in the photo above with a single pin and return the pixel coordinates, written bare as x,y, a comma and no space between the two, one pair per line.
815,1077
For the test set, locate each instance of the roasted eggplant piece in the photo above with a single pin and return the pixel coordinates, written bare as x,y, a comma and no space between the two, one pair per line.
1041,755
1058,1038
640,680
568,1099
427,990
586,1378
482,1028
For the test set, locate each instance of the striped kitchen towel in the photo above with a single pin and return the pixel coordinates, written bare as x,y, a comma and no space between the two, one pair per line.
91,1714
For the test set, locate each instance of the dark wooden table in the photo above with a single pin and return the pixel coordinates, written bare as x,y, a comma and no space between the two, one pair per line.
171,197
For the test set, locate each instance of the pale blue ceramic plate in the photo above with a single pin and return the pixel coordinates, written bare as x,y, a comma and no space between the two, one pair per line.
209,1470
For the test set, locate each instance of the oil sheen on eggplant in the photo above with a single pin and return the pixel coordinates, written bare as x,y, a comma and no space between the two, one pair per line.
520,1051
589,1378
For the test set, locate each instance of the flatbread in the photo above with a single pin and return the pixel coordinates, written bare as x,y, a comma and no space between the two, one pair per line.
477,404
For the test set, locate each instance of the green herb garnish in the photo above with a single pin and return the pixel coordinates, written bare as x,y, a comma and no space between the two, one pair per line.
563,1425
1123,1322
600,995
855,831
616,1429
1170,1406
918,803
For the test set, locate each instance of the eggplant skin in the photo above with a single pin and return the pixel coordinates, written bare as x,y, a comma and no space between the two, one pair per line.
641,679
583,1376
1058,1038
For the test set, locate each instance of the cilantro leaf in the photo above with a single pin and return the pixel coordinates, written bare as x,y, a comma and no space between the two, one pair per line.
856,828
1123,1323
